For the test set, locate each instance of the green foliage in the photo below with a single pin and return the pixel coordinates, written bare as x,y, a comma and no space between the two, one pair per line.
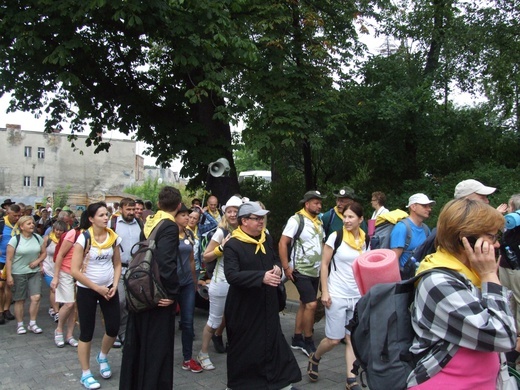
60,197
149,190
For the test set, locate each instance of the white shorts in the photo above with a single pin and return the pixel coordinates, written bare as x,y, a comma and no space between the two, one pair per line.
337,316
217,300
65,289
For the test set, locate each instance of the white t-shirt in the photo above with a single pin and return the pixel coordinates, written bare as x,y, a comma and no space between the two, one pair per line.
341,282
218,274
48,263
100,268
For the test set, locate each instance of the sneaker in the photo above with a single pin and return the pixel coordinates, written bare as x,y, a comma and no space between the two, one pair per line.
310,348
218,344
117,343
56,317
8,315
192,365
51,312
299,344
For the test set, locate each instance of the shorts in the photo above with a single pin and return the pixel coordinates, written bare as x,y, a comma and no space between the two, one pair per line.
48,279
307,287
26,283
65,289
217,300
337,316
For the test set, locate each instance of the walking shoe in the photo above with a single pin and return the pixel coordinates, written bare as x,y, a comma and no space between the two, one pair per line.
2,319
218,343
89,382
192,365
299,344
117,343
310,348
56,317
51,312
205,362
8,315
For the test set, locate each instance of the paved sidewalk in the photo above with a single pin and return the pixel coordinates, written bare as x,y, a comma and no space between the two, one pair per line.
33,361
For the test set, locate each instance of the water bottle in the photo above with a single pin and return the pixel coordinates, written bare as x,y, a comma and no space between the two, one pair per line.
512,259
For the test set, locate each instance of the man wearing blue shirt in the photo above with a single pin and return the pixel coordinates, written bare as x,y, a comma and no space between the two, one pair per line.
419,208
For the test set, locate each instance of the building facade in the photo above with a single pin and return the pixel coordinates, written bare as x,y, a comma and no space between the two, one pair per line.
34,165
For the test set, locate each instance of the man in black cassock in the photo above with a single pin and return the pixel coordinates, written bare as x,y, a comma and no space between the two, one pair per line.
258,354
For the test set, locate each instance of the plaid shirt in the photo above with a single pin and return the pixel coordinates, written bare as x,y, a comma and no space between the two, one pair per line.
448,313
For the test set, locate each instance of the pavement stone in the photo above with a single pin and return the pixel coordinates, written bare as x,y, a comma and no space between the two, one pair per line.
33,362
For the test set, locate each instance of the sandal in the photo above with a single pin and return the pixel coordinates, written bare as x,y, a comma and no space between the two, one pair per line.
72,342
35,329
58,339
105,372
205,362
312,368
352,385
21,330
89,382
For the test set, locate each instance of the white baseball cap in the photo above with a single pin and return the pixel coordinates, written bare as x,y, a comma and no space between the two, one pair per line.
420,199
468,187
234,201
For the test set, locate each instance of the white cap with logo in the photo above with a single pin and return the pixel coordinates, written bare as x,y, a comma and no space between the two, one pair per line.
419,198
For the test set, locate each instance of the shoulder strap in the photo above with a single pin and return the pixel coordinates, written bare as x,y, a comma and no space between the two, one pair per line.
329,224
17,241
443,270
140,223
301,224
113,222
337,243
408,239
37,239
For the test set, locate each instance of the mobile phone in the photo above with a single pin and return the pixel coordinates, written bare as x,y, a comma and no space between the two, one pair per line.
472,241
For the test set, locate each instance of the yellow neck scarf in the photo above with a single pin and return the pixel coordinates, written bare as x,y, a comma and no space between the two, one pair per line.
350,240
111,239
193,231
215,214
315,220
53,237
15,229
239,234
153,220
446,260
340,216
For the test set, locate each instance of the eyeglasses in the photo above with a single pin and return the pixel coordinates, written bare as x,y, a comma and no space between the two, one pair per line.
256,218
493,237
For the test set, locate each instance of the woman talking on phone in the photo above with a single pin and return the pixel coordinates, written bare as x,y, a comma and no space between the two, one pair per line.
461,322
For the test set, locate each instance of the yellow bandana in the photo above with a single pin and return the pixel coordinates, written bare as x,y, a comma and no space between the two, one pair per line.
315,220
193,231
111,239
53,237
153,220
239,234
446,260
350,240
215,215
15,229
340,216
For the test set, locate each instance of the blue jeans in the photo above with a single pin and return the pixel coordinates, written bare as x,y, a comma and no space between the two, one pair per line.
187,304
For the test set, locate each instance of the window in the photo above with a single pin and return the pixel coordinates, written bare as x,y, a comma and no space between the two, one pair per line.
40,181
41,152
27,152
27,181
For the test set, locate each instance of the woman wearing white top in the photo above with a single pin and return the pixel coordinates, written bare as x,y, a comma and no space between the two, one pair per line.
340,292
378,204
219,286
97,274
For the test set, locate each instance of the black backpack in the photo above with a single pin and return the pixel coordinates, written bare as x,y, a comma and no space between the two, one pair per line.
142,281
382,333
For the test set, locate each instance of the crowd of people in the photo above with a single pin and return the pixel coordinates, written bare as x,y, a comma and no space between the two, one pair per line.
226,258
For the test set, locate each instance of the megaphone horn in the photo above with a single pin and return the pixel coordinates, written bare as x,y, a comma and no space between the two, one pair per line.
219,167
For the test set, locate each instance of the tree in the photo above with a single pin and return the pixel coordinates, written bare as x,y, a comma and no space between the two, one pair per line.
156,69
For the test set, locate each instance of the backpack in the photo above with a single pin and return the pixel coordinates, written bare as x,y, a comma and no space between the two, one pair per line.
142,281
385,224
291,247
382,333
60,241
18,240
210,267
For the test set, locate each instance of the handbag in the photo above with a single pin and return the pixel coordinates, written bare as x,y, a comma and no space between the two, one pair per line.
282,296
504,380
